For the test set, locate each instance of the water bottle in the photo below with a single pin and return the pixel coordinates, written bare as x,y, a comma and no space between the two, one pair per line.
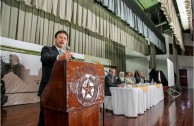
142,81
125,85
152,81
134,80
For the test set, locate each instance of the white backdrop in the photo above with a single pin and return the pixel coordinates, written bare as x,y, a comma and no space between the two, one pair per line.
170,67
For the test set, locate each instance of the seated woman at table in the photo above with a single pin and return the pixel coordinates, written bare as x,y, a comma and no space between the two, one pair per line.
137,77
110,81
132,77
128,79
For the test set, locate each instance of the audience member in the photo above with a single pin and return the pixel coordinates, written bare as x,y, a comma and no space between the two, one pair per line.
142,77
110,81
132,77
137,77
121,78
129,79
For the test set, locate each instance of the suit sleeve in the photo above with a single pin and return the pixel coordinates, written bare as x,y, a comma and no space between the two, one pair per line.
118,81
109,83
47,55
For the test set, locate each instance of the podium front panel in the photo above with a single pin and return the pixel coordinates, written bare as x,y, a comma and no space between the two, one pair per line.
85,85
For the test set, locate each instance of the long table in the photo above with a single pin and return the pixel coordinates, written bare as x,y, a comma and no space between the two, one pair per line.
134,100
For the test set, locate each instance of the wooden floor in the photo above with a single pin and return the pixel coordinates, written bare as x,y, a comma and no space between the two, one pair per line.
178,112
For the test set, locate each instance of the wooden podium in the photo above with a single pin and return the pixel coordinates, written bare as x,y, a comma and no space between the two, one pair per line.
74,94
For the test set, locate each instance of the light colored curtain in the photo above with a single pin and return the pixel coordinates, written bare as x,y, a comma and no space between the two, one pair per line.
169,10
152,56
95,32
125,13
35,26
190,8
84,13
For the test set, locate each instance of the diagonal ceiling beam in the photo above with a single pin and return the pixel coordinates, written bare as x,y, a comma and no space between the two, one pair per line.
162,23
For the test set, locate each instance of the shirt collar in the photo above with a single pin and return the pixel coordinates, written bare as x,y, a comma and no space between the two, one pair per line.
59,49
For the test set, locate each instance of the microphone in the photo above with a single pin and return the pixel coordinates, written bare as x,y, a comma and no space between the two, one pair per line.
68,48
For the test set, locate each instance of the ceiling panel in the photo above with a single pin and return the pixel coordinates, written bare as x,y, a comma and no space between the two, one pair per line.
146,3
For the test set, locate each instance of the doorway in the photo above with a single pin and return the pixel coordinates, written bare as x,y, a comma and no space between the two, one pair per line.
183,77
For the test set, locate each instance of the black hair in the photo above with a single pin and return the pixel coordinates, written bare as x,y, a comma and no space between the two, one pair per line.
61,31
110,69
136,73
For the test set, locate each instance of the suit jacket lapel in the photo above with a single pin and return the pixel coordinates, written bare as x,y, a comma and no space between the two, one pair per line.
55,50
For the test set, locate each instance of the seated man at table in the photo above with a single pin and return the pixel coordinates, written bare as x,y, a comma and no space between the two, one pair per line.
110,81
142,77
121,78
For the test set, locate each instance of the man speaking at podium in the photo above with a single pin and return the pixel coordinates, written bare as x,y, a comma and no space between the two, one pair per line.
48,56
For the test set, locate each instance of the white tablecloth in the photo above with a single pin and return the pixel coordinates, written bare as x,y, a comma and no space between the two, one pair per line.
133,101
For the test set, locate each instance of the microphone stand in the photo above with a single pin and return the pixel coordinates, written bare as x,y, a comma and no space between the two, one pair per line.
103,115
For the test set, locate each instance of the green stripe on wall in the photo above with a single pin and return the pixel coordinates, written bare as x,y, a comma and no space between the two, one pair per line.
19,50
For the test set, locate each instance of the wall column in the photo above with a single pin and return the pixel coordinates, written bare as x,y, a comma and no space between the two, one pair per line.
176,66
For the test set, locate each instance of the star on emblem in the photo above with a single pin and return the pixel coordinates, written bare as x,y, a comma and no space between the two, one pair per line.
88,89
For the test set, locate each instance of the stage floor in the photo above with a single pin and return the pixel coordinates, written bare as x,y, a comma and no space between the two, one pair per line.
178,112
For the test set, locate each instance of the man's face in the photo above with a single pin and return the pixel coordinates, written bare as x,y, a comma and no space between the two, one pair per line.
61,40
112,72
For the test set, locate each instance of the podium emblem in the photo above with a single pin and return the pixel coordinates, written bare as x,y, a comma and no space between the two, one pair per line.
87,89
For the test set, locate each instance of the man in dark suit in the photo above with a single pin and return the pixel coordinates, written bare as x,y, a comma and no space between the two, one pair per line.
48,56
110,81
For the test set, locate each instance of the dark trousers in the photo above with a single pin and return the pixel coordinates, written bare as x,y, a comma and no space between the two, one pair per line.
41,117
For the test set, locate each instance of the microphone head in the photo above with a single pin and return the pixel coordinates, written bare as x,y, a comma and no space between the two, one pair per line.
67,48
